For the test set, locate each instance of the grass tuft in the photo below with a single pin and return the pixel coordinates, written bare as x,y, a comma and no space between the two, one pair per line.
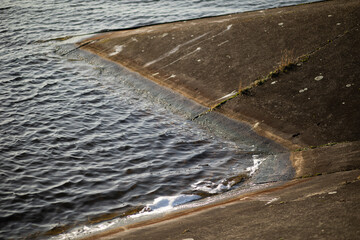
287,60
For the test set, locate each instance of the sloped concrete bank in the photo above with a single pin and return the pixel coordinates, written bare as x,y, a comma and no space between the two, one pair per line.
292,74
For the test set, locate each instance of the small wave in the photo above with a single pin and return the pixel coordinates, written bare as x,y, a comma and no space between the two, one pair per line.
206,187
167,203
4,8
211,187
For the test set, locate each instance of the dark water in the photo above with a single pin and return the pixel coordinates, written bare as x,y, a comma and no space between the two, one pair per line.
77,143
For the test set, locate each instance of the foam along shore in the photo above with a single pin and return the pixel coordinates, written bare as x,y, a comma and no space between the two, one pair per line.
291,73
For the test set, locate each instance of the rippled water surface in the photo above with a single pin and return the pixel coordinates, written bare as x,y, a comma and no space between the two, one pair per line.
76,143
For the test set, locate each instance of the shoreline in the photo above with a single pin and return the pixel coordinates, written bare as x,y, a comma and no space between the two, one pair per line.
305,98
133,57
276,169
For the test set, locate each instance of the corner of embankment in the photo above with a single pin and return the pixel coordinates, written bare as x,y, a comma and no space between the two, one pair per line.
290,73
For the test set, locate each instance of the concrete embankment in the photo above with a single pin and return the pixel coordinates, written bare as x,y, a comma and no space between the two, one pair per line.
292,74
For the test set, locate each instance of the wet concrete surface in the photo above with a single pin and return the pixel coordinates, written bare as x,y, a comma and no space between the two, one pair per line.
322,207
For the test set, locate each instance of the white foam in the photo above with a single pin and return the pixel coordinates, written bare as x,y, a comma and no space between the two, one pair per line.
167,203
159,205
85,230
257,162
